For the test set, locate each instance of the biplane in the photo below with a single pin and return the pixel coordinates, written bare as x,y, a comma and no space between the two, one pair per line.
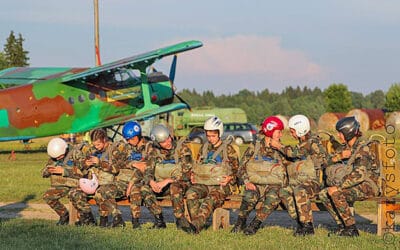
52,101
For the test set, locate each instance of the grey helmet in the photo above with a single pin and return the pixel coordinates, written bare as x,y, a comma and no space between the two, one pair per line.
159,133
349,127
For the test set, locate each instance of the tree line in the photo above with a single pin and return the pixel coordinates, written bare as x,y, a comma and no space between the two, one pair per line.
312,102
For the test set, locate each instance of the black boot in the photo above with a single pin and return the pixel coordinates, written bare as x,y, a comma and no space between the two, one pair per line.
118,221
183,224
253,227
350,231
304,229
135,223
240,224
103,221
159,221
337,230
86,219
64,219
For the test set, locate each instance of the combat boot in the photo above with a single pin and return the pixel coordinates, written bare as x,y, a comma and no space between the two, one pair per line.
240,225
337,230
64,219
135,223
350,231
159,222
304,229
103,221
253,227
183,224
118,221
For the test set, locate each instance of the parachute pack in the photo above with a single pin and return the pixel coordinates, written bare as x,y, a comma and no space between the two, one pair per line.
265,170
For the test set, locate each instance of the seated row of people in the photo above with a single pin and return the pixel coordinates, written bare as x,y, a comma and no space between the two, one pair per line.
198,182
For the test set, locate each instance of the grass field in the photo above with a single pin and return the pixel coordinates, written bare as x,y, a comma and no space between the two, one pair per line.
41,234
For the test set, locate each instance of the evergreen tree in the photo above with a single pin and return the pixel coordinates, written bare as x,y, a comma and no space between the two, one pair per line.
14,52
3,61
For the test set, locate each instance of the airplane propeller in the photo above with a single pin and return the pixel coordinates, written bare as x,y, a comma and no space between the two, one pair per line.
172,78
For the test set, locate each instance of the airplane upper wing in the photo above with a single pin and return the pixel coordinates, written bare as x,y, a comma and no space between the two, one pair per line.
24,75
141,60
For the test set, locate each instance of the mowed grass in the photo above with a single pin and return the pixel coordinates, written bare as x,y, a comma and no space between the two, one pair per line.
21,179
41,234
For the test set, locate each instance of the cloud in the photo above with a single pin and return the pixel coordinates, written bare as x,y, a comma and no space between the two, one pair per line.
251,55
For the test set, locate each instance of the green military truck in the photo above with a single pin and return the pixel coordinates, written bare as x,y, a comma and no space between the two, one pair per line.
183,121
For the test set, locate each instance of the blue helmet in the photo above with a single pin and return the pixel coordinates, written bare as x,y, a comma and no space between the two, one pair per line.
131,129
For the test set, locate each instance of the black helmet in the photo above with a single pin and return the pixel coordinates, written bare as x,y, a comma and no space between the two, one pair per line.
349,127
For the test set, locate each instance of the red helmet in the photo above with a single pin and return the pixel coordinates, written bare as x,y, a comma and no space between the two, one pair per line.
271,124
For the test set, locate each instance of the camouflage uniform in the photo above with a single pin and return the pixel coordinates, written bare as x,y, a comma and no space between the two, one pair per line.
359,185
181,155
123,156
105,171
202,199
309,189
269,195
64,184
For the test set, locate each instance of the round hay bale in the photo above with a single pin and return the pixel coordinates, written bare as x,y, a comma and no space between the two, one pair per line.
327,121
284,119
393,119
369,118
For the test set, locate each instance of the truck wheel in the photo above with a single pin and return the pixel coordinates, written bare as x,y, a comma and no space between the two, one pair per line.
239,140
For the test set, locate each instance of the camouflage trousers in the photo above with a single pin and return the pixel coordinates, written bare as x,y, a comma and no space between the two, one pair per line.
52,198
338,206
79,200
202,200
105,198
271,196
142,193
177,191
304,194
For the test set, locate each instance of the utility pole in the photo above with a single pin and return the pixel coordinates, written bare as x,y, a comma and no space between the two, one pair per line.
96,33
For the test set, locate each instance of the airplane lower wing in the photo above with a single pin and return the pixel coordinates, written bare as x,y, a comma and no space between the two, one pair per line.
145,115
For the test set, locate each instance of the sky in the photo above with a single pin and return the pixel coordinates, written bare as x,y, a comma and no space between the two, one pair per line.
247,44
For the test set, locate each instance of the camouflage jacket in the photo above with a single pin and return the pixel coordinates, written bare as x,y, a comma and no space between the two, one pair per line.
312,147
159,155
365,166
124,154
105,169
264,151
73,170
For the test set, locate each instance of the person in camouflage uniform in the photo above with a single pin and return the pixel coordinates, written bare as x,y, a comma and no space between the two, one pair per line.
270,195
64,172
100,159
203,199
176,156
306,183
359,184
130,158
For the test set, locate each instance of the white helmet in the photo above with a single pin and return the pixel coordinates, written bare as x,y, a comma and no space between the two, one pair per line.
89,186
214,123
159,133
300,124
56,147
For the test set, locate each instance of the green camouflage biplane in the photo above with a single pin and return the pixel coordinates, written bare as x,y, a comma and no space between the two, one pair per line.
52,101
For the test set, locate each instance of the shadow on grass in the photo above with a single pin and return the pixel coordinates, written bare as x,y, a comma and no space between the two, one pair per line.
13,210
